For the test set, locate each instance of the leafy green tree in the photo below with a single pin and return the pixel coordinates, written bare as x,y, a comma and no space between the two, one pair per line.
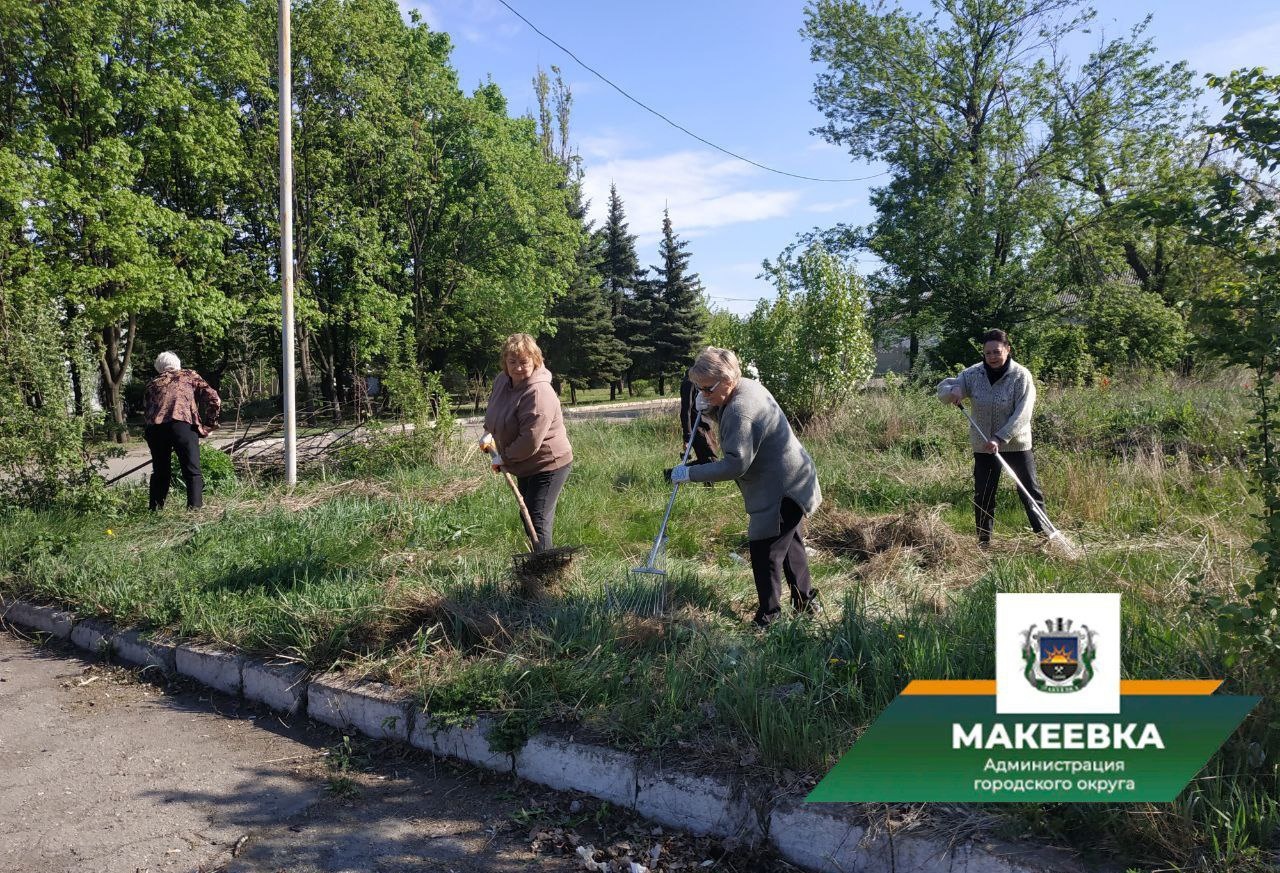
422,212
678,310
130,98
812,343
1236,211
1006,163
724,330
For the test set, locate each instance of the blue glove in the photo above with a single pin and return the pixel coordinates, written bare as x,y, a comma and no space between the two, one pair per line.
680,473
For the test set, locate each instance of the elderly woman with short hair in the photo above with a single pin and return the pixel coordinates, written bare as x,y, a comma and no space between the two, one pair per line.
777,478
525,423
172,407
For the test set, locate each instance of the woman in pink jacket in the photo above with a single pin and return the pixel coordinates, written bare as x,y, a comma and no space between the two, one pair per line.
525,420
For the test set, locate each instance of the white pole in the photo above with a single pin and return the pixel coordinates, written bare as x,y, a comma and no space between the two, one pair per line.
286,247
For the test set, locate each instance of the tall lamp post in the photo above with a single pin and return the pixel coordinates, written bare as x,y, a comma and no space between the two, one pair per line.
286,248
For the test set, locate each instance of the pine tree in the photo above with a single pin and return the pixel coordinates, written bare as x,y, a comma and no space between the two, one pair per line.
679,311
622,278
583,348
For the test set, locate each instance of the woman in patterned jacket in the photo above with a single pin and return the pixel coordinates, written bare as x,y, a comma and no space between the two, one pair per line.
173,424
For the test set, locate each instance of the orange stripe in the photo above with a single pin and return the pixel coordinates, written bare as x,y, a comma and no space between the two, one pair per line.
1169,686
951,686
972,687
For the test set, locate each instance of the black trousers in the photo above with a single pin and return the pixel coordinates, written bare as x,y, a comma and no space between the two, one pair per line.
986,476
164,440
781,556
540,492
702,451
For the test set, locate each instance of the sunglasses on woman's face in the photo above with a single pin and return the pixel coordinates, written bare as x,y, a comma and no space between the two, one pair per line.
711,390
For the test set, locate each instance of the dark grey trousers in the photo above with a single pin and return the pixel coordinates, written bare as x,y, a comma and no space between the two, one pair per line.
780,557
986,476
540,492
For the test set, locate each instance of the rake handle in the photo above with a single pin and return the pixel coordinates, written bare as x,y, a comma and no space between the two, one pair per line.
1031,501
524,510
662,531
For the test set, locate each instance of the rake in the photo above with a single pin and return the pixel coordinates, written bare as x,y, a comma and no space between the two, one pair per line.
650,566
1056,537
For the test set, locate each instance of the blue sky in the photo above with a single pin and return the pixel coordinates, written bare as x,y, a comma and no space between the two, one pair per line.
736,72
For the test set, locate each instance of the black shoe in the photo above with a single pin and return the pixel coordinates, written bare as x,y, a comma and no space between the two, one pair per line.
985,545
806,604
764,619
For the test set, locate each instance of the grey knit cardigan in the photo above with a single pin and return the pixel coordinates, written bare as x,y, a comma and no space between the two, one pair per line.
1003,410
763,456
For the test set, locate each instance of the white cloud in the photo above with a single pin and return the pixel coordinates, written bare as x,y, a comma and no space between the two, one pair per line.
836,205
428,12
1256,47
483,22
701,190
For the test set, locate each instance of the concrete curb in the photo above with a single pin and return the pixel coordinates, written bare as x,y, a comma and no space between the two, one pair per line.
279,685
135,647
94,635
372,708
827,838
568,766
701,804
209,666
45,619
467,742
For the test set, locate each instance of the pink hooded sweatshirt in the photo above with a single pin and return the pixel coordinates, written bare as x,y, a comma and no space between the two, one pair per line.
527,425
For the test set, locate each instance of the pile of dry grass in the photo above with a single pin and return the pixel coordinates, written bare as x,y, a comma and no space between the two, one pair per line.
920,531
539,575
638,631
409,609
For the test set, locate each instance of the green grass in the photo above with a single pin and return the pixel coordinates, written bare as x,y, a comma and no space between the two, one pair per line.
403,575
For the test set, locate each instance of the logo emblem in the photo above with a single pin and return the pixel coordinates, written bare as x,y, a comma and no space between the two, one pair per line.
1058,659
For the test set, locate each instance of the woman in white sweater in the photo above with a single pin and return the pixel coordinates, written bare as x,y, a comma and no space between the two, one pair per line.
1003,397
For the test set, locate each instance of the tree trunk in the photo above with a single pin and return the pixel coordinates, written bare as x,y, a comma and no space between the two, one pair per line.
308,394
114,366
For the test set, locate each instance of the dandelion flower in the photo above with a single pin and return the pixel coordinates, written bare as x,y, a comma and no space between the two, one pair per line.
902,636
110,532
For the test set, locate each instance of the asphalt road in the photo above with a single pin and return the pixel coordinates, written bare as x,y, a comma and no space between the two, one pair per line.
469,428
104,772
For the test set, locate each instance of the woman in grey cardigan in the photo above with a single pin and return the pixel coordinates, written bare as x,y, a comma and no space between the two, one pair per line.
775,474
1003,397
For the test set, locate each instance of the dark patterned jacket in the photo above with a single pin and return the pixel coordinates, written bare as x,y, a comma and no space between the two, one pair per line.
179,395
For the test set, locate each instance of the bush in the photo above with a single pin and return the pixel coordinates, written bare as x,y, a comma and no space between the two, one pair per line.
216,467
812,344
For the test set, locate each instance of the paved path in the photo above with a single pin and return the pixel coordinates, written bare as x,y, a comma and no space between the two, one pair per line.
470,427
103,773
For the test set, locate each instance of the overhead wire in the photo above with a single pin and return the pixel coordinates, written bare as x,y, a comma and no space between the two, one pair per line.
603,78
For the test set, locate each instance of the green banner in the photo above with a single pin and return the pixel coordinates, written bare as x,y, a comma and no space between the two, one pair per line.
955,749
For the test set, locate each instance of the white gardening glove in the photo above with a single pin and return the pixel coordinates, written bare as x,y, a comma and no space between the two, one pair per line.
487,444
495,461
950,391
680,473
702,403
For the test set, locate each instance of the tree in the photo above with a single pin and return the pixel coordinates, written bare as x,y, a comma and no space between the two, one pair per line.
811,344
1236,211
582,348
621,274
130,101
1006,164
678,310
